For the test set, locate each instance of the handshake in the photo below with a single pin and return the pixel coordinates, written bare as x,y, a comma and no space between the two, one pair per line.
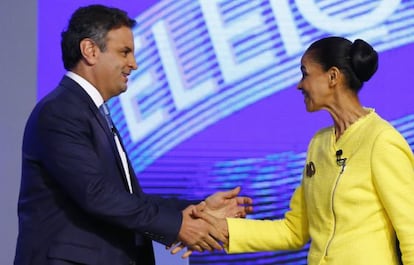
204,226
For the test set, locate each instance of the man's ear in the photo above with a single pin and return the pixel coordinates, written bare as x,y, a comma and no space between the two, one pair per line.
89,50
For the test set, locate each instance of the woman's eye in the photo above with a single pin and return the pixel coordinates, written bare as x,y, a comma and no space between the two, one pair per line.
303,75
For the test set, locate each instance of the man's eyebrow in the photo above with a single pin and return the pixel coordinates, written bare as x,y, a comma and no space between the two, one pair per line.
127,49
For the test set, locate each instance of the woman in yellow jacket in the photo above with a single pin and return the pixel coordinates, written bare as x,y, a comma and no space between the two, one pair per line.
357,191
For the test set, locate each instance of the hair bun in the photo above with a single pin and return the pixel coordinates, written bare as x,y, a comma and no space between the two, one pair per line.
364,60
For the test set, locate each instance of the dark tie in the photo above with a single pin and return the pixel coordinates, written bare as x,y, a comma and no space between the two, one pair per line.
105,111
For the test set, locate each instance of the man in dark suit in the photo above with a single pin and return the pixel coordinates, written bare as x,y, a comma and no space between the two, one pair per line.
80,202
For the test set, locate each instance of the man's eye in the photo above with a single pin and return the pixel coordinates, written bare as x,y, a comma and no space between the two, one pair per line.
125,53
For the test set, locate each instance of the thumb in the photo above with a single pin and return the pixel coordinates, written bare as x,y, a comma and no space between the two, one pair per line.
207,217
199,207
232,193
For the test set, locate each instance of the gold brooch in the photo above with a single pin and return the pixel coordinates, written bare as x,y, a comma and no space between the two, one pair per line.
310,169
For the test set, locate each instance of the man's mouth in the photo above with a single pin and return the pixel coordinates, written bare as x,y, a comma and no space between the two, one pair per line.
125,76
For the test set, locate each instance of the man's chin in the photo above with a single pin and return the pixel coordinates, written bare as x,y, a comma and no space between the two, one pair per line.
123,89
120,91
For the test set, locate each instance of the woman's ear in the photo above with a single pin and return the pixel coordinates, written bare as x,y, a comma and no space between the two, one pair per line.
334,75
89,50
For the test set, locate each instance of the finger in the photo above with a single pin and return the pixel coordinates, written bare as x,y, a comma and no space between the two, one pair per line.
221,239
200,207
208,244
172,245
232,193
248,209
177,248
211,243
216,236
219,235
187,254
189,209
244,200
207,217
196,248
242,211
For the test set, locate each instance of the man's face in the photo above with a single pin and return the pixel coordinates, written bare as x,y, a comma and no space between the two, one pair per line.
115,63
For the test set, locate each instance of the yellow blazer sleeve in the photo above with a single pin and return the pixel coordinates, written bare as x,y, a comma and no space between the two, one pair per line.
393,175
247,235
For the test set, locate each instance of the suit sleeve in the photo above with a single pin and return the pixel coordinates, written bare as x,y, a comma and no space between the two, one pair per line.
393,171
68,150
175,203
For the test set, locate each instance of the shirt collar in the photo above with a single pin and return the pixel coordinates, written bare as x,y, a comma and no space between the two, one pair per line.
88,87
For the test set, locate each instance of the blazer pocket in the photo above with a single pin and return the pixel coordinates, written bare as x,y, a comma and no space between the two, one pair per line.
74,253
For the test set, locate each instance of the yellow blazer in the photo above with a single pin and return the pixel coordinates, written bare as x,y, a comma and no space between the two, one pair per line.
351,212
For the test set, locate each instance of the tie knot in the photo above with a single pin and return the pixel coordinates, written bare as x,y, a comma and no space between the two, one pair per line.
105,111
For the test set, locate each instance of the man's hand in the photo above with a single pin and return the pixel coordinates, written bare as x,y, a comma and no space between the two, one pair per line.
219,223
206,222
198,234
227,204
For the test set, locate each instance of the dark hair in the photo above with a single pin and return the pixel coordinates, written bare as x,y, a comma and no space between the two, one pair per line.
358,61
93,22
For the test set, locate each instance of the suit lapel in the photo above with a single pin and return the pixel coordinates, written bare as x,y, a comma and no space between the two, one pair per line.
99,118
111,139
134,181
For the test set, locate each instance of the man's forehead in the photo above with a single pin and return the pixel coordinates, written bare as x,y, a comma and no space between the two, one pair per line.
122,35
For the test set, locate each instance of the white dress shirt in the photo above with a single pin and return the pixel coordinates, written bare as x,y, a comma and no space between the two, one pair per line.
98,100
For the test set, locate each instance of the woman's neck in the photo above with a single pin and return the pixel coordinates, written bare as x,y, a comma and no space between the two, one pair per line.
346,112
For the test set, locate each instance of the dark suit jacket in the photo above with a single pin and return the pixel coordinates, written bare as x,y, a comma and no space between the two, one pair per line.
74,205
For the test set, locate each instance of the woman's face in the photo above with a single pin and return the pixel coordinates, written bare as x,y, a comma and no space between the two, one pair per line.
314,84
